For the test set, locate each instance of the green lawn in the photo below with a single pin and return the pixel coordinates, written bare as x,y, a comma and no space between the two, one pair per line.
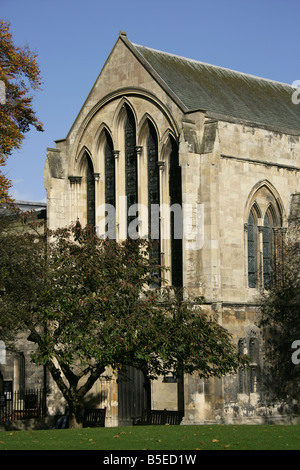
215,437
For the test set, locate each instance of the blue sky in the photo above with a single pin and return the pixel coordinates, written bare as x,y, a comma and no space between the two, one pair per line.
73,39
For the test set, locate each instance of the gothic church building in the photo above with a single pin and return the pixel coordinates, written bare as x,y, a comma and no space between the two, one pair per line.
158,129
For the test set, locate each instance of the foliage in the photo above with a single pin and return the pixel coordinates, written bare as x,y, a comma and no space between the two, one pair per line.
20,74
90,304
280,327
195,341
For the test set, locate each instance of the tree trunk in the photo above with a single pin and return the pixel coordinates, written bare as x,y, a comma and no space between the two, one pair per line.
72,395
76,415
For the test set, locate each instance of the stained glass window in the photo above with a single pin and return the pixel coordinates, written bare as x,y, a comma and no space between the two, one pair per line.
130,164
153,189
175,198
267,232
110,187
264,241
90,192
252,256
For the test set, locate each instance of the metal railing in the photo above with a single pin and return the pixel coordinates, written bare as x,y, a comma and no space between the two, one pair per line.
23,405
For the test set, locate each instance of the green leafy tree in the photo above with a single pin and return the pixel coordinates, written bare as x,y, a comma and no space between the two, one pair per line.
89,304
280,326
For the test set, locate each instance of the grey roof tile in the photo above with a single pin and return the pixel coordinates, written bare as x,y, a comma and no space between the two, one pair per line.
225,92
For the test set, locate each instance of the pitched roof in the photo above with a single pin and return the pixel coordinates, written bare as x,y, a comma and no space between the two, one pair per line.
222,92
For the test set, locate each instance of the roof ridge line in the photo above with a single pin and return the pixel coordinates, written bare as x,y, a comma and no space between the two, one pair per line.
152,70
215,66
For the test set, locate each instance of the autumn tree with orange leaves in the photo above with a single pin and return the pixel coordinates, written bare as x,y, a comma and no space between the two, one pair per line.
19,77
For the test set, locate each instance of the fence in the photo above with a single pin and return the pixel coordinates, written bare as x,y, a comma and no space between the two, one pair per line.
22,405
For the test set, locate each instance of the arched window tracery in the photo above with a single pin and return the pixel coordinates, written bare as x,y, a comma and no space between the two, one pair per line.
153,191
143,172
263,242
110,186
131,182
175,198
90,192
252,249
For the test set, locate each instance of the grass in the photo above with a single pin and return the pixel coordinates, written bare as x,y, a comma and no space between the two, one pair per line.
215,437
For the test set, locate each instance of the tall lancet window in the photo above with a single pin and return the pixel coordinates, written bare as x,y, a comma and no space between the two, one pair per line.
175,199
130,165
110,187
90,192
252,250
265,240
267,251
153,191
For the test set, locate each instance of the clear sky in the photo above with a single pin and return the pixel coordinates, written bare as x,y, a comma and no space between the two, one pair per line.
73,38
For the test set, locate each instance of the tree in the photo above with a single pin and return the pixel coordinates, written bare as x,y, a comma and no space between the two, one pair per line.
90,303
19,75
280,326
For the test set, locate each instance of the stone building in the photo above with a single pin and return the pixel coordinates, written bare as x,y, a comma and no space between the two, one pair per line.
18,375
223,149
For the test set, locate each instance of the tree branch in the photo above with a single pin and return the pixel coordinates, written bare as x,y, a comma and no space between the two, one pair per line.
94,375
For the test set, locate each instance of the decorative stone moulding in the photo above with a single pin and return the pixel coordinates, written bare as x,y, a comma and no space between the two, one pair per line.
75,179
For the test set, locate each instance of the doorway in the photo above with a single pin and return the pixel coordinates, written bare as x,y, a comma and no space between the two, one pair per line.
132,395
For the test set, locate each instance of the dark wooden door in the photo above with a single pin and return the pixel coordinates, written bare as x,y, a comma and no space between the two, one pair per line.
132,398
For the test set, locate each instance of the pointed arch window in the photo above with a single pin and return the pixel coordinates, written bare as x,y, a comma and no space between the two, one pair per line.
175,198
130,163
267,251
110,186
110,182
153,189
90,192
252,250
264,237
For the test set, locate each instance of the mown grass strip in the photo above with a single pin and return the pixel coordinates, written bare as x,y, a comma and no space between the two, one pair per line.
215,437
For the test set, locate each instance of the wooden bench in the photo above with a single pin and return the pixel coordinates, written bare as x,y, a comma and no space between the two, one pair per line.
159,417
94,417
